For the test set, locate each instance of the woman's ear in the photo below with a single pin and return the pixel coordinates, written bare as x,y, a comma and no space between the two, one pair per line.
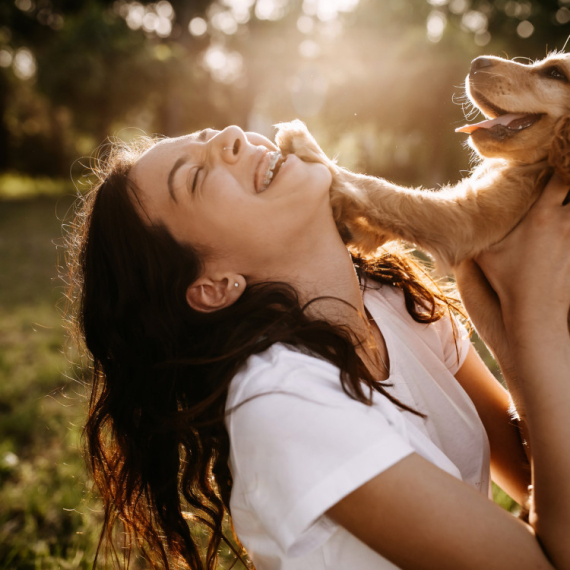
207,295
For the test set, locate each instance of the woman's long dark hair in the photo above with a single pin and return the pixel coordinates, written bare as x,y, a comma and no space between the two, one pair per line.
155,436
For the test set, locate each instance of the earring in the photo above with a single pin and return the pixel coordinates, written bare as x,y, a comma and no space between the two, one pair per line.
236,284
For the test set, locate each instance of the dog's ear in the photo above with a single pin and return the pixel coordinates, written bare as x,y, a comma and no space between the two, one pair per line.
559,153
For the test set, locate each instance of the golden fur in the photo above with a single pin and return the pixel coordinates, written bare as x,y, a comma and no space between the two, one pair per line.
457,222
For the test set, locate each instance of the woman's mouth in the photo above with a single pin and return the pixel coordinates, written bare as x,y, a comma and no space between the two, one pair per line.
275,162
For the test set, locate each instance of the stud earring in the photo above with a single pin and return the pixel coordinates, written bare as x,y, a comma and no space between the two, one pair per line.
236,284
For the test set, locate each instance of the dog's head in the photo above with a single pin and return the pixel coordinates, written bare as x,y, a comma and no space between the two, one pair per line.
523,104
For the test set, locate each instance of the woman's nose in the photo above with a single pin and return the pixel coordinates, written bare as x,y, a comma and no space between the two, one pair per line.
231,143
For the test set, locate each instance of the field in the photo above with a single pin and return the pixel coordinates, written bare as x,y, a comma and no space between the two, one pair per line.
49,518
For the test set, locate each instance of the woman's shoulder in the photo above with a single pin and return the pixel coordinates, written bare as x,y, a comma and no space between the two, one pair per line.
280,368
447,337
390,295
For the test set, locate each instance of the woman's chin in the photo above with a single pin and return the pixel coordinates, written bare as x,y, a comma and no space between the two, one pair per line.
322,174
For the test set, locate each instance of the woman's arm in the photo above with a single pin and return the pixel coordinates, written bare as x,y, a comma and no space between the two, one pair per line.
417,515
530,272
421,518
510,466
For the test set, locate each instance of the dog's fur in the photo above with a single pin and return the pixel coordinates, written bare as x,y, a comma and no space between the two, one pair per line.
457,222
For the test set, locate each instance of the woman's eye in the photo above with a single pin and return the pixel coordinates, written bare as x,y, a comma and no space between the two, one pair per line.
555,73
195,181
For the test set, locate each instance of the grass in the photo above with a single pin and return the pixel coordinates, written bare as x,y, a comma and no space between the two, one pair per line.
48,517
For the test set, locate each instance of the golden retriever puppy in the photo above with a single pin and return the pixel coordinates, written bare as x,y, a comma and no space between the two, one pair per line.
524,139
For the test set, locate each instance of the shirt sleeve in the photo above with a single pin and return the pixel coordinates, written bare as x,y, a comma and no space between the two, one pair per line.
302,449
455,349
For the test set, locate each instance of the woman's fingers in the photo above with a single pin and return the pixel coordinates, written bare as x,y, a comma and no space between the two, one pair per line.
531,266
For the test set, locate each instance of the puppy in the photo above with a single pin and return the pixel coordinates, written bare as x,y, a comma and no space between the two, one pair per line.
526,138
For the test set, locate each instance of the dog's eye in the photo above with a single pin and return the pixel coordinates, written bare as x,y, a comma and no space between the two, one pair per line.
555,73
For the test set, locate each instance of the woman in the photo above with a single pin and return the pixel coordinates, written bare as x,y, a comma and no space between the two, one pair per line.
237,353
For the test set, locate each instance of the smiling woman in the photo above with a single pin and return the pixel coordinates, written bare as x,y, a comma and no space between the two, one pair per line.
245,363
215,196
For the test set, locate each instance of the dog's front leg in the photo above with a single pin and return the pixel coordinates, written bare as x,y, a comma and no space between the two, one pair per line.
452,224
484,308
375,211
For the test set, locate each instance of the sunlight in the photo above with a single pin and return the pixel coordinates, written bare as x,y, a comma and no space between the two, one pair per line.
225,22
240,9
153,18
305,24
563,15
436,23
270,9
5,57
525,29
458,6
475,21
24,64
224,66
197,26
327,10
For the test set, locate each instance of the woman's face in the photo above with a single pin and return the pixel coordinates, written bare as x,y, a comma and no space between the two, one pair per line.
207,188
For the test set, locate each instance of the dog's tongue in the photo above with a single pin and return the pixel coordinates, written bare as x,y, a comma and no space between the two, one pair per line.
502,120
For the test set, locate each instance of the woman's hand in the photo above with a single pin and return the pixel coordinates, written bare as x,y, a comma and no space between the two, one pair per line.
527,273
530,269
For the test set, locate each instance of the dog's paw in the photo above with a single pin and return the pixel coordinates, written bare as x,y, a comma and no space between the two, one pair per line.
349,200
559,154
295,138
362,237
351,208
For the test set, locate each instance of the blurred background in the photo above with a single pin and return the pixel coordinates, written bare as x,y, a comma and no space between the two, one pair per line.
379,83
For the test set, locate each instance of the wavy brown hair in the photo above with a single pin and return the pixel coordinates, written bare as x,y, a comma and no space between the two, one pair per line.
155,436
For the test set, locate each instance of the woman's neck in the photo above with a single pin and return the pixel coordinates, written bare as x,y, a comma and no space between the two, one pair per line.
324,273
330,273
324,276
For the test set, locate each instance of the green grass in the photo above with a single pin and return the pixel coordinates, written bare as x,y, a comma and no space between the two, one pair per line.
48,518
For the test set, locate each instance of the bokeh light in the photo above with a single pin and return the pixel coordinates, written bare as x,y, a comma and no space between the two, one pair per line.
436,23
5,57
197,26
563,15
24,64
525,29
270,9
225,66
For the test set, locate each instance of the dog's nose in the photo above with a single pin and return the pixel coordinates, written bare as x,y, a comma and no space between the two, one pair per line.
480,63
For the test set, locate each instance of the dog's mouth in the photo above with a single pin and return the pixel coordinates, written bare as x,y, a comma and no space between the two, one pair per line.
502,124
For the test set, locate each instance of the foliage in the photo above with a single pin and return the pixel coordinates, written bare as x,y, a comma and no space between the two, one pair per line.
18,186
72,73
45,517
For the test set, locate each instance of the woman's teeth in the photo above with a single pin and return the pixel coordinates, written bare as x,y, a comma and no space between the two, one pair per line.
275,156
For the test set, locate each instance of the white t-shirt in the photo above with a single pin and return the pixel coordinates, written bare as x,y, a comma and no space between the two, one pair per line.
305,444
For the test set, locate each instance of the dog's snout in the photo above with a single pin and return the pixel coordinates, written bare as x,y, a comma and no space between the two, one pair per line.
480,63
